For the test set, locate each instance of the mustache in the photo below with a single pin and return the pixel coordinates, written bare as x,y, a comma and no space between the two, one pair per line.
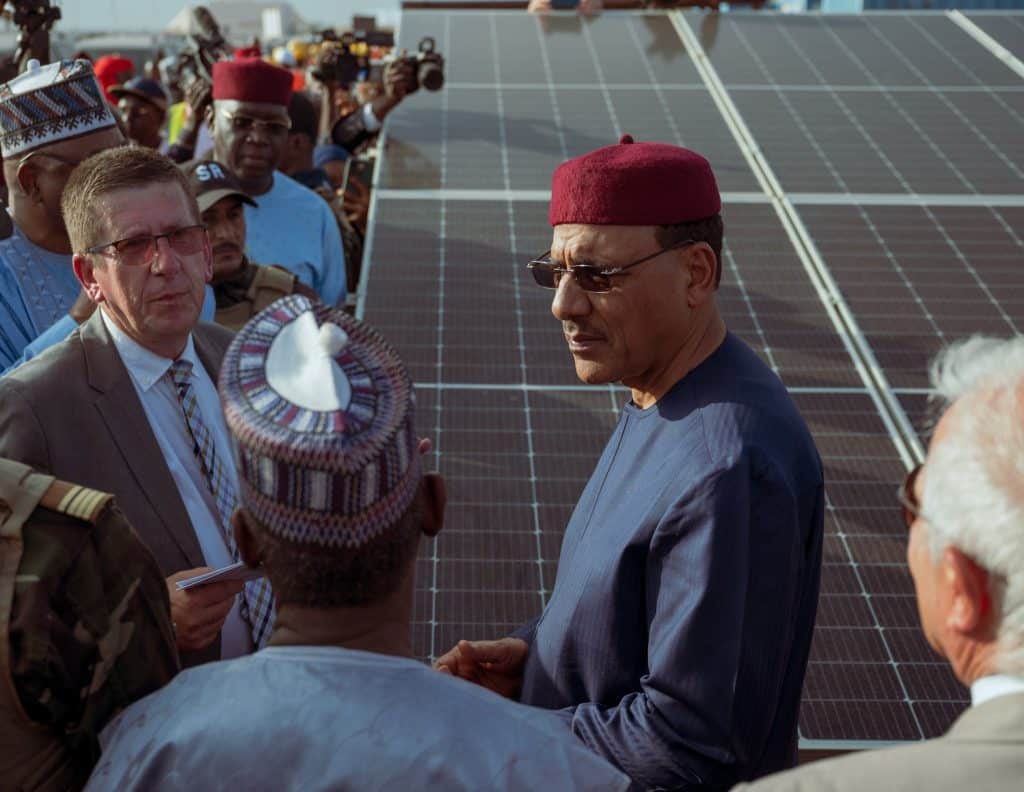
575,328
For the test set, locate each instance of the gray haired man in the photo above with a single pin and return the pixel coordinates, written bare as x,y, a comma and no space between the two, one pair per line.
964,509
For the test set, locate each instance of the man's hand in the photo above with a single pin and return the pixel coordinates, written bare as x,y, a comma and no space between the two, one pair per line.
495,665
198,613
399,82
83,307
198,96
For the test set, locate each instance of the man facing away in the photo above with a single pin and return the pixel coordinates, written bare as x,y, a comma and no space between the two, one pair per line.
127,404
292,226
52,118
333,505
964,509
676,638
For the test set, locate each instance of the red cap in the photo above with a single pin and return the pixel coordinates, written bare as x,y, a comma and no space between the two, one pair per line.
246,52
634,184
252,80
111,70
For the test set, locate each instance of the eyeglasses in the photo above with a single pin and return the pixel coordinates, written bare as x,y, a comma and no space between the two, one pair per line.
243,124
548,274
138,251
907,496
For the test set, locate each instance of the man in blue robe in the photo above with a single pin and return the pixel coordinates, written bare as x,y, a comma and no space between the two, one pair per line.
333,506
676,637
52,118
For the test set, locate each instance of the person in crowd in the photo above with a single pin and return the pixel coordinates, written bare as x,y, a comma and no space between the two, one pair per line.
127,403
333,507
142,104
297,163
291,227
37,285
331,160
676,637
85,622
964,511
360,122
242,289
297,159
111,70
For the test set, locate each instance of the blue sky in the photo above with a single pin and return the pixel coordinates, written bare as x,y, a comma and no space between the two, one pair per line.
154,14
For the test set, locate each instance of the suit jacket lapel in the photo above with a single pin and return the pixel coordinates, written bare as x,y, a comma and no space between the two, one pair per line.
121,410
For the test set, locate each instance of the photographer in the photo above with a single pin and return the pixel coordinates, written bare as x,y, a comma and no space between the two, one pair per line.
360,123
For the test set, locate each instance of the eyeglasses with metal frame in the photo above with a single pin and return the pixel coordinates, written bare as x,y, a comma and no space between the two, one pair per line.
138,251
548,274
907,496
244,124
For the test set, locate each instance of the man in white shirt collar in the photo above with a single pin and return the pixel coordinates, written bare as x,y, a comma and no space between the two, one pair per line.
128,402
964,509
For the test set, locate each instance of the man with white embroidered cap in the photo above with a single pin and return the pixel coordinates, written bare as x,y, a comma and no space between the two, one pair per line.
675,639
51,118
333,506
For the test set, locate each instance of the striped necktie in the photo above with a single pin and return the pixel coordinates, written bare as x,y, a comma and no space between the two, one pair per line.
257,605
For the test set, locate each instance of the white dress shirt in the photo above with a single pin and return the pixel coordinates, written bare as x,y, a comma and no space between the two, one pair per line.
993,686
152,380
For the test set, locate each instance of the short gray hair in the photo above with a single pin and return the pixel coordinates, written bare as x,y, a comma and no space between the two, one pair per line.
974,490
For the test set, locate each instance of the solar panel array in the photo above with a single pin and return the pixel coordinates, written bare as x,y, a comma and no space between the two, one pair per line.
872,170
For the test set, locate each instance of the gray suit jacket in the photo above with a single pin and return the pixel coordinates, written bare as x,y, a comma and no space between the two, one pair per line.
982,752
73,412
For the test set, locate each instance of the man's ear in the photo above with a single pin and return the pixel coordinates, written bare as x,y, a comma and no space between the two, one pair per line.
435,498
971,613
249,549
84,271
703,265
28,181
208,116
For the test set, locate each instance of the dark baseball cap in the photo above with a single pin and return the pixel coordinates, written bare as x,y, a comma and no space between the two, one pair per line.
210,181
144,88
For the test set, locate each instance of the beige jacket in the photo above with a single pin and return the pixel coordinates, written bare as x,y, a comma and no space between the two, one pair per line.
982,752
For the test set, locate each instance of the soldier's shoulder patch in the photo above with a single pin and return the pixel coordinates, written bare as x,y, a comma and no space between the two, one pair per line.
75,501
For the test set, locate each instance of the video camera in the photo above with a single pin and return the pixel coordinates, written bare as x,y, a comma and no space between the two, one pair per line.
34,19
428,64
202,50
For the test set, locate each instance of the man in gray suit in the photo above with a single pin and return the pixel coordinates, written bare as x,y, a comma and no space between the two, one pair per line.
964,509
128,403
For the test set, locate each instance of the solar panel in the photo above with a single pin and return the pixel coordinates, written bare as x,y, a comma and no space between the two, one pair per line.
871,169
1007,29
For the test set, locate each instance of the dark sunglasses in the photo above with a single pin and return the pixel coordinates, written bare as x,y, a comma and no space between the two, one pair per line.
907,497
548,274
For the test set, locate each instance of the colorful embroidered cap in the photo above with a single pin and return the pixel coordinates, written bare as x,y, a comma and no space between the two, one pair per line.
322,410
633,183
47,104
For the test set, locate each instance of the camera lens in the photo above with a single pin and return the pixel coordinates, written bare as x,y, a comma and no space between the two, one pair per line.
430,75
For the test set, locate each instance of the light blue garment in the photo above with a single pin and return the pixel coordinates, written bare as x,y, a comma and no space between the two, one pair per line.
64,326
37,287
318,718
294,228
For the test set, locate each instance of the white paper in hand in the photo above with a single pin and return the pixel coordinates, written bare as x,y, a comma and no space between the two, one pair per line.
236,571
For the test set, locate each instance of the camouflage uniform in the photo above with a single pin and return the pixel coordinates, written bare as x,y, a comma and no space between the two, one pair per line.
253,288
85,626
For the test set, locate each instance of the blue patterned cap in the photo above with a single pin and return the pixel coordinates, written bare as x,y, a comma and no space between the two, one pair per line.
322,410
47,104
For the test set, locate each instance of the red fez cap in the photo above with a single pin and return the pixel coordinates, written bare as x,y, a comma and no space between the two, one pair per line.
634,184
252,80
